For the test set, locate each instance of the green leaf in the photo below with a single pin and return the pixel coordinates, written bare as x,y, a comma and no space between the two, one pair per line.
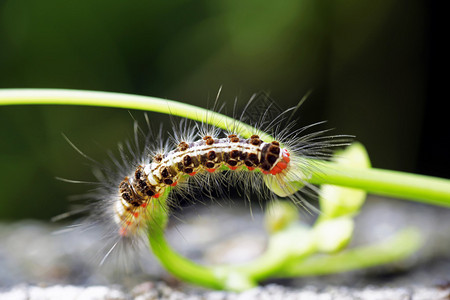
334,234
336,201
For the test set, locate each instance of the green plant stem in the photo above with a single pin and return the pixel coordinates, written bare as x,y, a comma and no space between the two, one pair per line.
403,244
180,266
383,182
426,189
119,100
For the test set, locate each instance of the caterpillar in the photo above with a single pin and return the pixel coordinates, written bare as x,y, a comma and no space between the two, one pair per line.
205,155
274,161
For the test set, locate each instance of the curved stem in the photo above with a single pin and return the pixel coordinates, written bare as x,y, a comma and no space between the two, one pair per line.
178,265
239,277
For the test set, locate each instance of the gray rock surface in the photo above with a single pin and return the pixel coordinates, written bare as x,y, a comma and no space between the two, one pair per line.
159,290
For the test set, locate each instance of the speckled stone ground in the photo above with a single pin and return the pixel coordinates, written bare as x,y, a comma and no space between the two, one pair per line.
37,263
152,291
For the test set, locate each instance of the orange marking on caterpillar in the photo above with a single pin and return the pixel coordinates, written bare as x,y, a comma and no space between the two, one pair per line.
282,165
123,231
276,170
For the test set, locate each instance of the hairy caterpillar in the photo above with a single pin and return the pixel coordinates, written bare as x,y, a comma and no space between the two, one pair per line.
189,158
276,155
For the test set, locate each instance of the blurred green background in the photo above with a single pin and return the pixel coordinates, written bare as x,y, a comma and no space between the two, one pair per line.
368,64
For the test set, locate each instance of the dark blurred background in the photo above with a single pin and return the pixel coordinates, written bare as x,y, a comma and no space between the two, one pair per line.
372,67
